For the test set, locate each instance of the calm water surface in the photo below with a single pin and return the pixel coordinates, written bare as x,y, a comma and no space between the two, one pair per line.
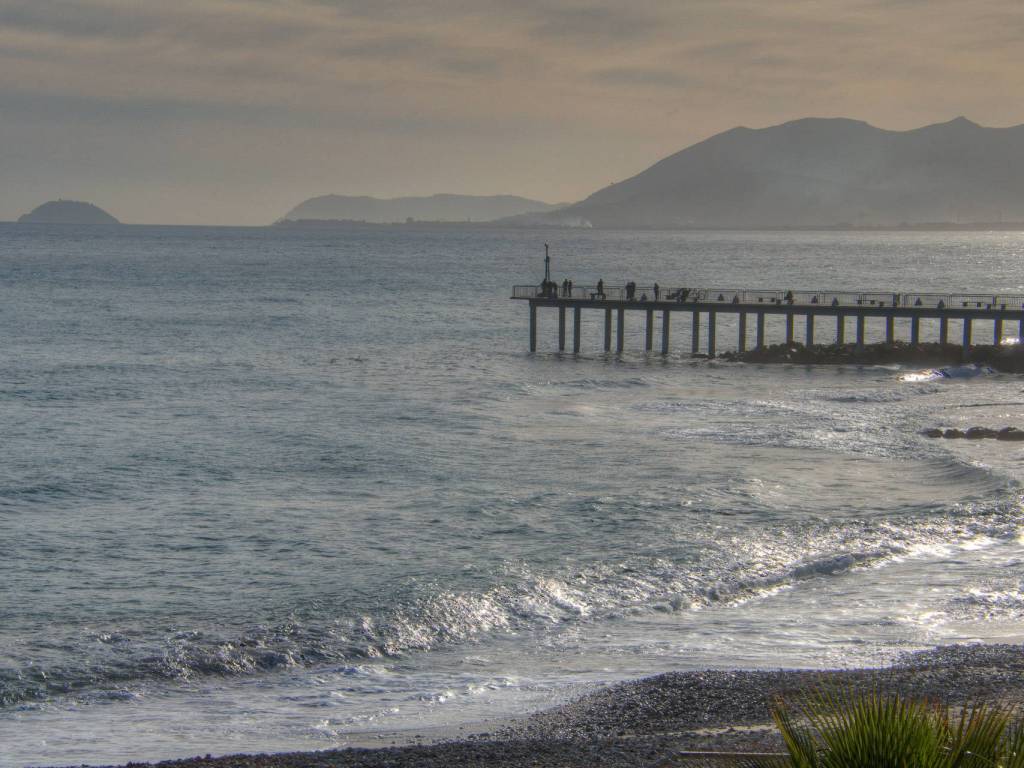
265,490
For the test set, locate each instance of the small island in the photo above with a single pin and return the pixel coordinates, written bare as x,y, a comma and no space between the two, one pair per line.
67,212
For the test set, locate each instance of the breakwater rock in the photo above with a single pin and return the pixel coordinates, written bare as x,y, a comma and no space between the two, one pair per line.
977,433
1008,358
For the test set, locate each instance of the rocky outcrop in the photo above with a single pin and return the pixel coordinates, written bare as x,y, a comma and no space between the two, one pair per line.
1010,434
1003,358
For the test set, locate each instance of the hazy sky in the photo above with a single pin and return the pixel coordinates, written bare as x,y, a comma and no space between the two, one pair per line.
233,111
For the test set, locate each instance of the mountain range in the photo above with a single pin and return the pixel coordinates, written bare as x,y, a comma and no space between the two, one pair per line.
819,172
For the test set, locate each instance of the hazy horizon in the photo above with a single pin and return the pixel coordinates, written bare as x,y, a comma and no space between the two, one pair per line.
230,112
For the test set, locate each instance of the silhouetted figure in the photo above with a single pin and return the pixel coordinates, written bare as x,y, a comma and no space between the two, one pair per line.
630,290
789,297
643,297
570,288
656,289
600,287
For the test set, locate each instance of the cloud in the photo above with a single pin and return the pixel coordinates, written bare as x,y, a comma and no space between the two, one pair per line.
632,77
596,24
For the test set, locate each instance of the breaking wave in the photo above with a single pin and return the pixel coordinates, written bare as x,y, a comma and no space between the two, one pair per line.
752,562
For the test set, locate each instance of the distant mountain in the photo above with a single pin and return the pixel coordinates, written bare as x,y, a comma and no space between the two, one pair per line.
399,209
822,172
67,212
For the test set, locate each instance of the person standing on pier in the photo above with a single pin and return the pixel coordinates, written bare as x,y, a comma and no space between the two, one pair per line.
600,287
569,288
656,289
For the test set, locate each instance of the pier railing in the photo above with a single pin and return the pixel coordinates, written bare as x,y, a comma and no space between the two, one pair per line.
853,299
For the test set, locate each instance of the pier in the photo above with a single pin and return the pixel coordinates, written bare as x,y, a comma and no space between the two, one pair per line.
752,318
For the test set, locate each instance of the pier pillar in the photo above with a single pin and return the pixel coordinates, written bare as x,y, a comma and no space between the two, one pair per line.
561,329
741,342
997,331
860,330
760,330
967,333
809,331
890,329
943,330
915,330
711,333
695,334
840,330
649,331
576,319
607,330
620,329
533,327
665,314
789,327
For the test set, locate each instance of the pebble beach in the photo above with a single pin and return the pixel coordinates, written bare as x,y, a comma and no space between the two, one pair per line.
714,717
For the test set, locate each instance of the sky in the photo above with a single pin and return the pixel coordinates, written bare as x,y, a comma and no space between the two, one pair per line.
234,111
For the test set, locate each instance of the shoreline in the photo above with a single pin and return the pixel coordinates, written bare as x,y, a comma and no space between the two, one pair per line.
651,720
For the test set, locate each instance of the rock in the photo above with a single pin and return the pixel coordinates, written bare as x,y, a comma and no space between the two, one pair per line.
980,433
1010,433
933,432
951,434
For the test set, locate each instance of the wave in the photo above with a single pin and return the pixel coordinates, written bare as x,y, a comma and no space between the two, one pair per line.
752,562
603,384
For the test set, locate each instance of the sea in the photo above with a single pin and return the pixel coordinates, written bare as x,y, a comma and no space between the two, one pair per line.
268,489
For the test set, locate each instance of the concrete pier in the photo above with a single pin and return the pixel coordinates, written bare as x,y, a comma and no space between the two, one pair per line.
740,304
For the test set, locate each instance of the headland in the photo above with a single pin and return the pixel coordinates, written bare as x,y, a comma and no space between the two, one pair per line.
67,212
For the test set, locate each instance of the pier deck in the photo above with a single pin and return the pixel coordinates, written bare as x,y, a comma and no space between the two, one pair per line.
706,304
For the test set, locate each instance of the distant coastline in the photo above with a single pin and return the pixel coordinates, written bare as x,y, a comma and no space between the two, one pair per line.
502,224
344,224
